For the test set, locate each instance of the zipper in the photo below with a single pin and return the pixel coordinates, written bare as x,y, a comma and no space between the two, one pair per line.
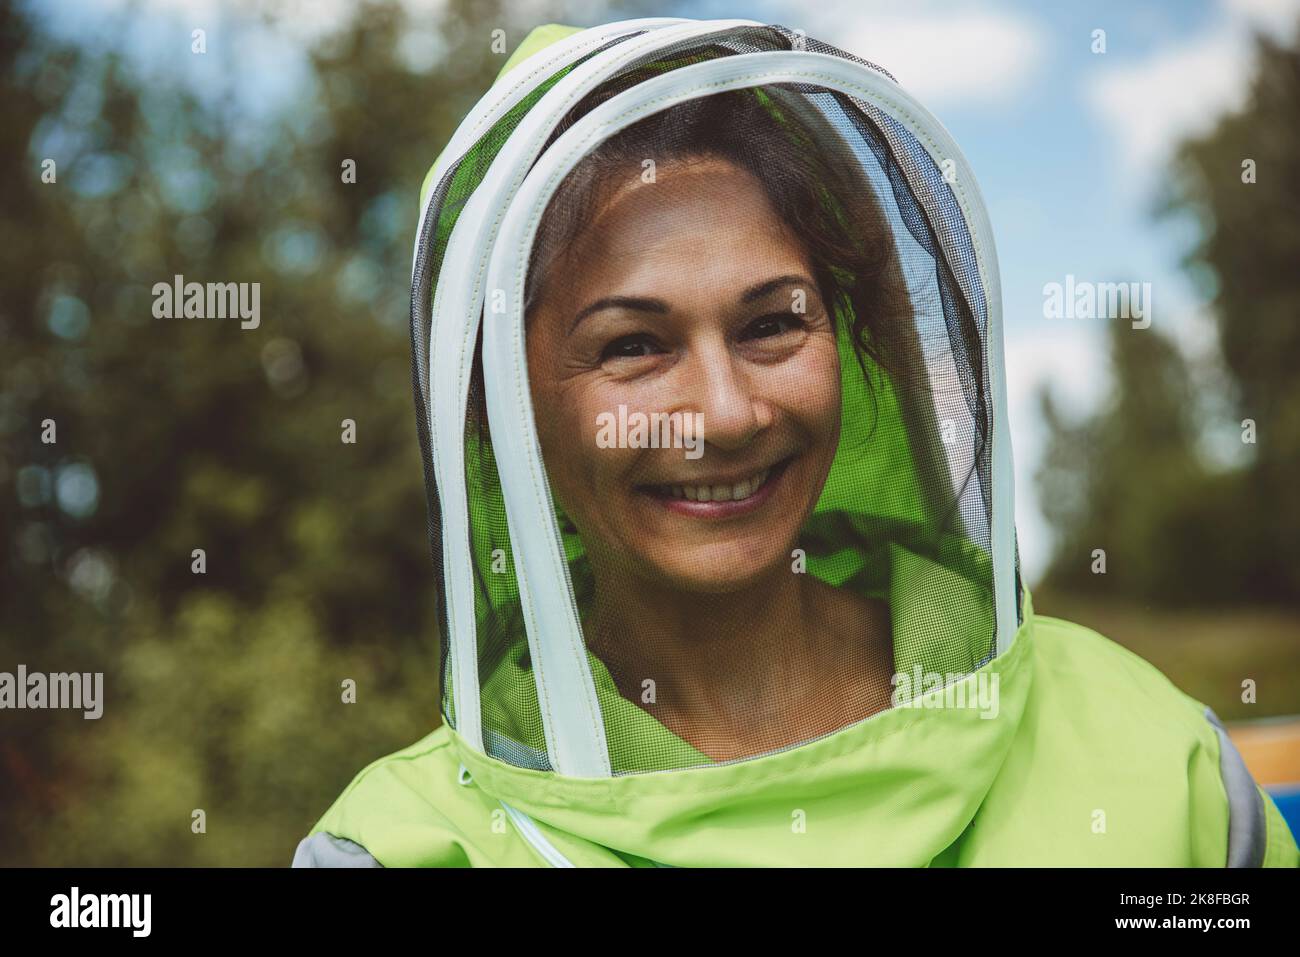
531,833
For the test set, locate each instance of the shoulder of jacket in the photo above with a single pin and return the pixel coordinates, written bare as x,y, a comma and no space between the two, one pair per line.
434,748
432,758
1112,686
1093,662
415,808
410,792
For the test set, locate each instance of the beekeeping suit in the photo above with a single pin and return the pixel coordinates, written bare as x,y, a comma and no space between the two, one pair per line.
783,622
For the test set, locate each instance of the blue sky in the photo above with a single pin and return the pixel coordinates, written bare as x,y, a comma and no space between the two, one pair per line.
1070,146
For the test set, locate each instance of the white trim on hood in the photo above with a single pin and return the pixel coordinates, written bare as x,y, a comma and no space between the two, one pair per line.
570,713
495,104
545,588
510,90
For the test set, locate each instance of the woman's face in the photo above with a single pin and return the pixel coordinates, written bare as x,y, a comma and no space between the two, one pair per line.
684,296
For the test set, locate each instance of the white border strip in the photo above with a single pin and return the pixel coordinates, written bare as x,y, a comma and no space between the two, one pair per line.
504,95
491,107
511,88
536,539
571,717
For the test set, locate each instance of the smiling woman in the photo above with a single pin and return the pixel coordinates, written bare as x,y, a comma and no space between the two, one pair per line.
809,643
701,263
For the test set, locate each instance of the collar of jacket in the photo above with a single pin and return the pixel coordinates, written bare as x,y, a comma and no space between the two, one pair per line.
893,790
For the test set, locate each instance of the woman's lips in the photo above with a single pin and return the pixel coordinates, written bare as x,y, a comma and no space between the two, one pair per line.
721,501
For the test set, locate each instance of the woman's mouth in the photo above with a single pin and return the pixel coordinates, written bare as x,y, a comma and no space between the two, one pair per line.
719,499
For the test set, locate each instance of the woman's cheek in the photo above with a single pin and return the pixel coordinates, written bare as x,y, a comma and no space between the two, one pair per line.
594,437
565,444
814,377
570,411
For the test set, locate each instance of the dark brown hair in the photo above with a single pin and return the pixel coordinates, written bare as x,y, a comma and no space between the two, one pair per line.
813,179
817,190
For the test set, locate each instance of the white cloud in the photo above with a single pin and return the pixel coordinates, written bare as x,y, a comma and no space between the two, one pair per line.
1071,361
965,56
1276,16
1151,105
1181,89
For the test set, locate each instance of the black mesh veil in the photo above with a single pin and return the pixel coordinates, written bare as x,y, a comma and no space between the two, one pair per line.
757,343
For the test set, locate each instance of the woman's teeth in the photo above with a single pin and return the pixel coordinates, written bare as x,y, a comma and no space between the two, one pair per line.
720,493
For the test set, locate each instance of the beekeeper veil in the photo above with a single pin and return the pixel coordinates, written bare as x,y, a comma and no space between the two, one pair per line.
708,381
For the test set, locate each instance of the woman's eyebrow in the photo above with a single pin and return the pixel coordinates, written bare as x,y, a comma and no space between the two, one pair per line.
771,285
659,307
620,302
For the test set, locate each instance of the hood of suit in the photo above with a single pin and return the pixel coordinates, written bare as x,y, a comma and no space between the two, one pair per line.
706,326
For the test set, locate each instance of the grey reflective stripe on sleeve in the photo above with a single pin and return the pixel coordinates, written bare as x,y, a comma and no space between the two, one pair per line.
1247,828
326,850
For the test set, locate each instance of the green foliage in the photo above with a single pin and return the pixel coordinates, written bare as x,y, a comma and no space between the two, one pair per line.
223,690
1130,479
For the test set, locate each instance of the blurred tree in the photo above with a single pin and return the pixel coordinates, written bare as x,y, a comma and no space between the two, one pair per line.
1128,479
223,690
1110,482
1244,179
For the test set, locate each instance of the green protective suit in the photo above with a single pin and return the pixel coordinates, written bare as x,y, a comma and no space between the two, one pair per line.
1071,751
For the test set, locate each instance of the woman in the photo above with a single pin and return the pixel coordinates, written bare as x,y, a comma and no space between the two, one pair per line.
642,307
792,632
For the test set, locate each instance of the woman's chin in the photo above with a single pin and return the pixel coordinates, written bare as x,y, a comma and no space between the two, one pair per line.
720,567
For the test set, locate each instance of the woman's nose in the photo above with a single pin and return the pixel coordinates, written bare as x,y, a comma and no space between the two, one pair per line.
720,388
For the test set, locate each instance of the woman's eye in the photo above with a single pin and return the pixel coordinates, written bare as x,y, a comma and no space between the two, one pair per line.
766,327
630,347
